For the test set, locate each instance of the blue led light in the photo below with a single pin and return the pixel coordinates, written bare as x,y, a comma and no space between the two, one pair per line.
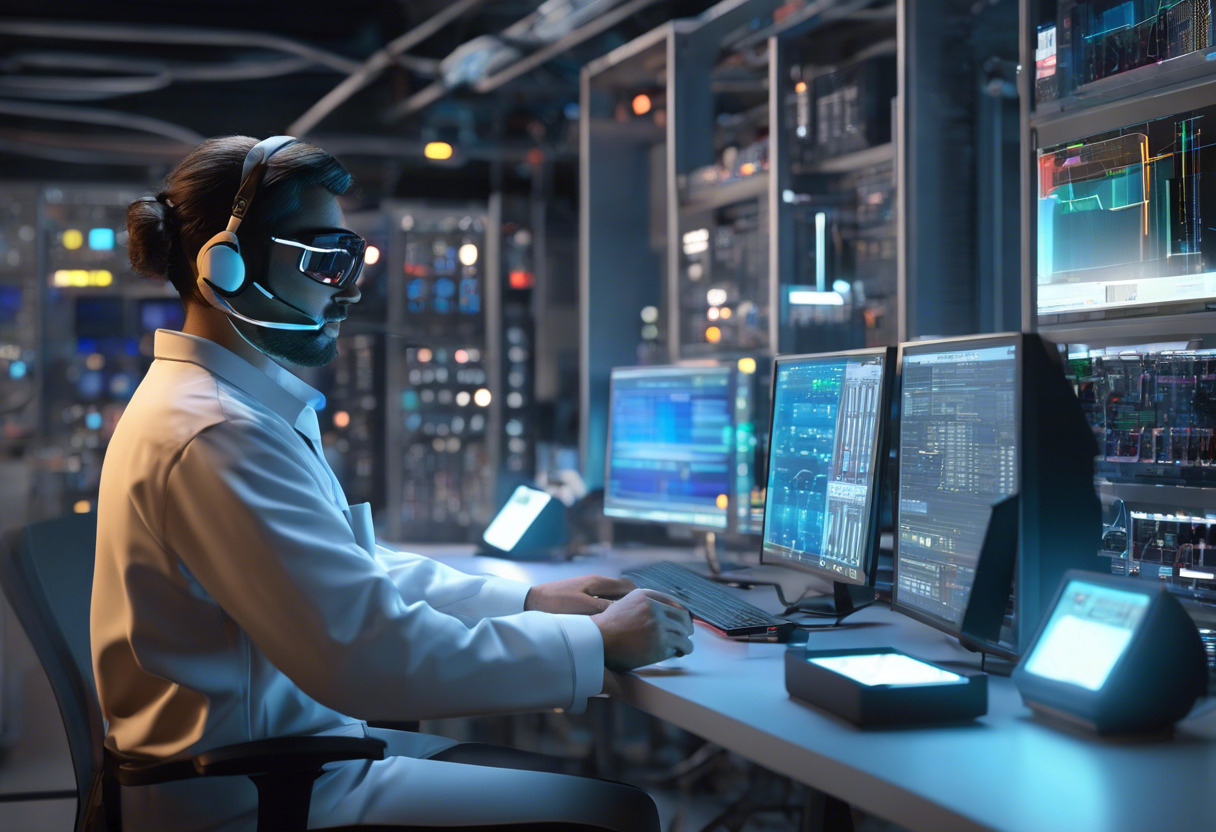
101,239
92,421
17,369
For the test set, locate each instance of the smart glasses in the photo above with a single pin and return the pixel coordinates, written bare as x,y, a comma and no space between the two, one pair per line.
331,258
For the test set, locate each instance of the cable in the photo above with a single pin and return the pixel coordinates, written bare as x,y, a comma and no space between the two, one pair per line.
110,118
373,66
185,35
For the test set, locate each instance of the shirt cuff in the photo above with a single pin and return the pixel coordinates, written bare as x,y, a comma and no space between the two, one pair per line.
587,658
502,596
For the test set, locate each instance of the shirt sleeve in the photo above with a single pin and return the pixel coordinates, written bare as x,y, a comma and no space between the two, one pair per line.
468,597
250,521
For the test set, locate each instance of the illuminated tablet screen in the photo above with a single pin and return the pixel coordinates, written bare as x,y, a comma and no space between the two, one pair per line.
872,669
516,516
1087,633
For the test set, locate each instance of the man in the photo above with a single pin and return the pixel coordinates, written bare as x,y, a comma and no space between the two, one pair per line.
237,596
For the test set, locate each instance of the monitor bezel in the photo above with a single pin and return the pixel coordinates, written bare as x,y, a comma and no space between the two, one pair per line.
731,506
877,464
938,345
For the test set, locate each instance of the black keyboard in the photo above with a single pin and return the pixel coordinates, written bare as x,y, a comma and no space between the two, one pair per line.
710,603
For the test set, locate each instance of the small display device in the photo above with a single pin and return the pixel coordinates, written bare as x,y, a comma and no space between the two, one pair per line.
1113,655
882,686
530,526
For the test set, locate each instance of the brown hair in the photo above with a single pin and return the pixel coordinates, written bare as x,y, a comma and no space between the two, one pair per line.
165,232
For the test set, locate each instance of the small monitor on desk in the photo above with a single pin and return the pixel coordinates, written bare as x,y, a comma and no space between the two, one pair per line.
827,451
671,446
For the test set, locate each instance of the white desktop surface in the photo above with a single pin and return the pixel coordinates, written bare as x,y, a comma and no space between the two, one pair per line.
1005,771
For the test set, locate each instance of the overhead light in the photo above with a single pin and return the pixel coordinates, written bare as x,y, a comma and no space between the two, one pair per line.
439,151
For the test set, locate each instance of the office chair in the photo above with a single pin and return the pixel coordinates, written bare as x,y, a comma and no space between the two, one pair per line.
46,571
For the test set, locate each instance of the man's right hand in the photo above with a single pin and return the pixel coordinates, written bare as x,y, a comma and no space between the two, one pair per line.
642,628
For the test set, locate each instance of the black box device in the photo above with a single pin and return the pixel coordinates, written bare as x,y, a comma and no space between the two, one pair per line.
880,686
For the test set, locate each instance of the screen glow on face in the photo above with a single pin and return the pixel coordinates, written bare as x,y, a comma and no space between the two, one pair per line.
516,516
872,669
1087,633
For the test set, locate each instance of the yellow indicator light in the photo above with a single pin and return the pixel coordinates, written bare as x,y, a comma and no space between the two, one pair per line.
482,398
372,256
467,254
722,501
82,507
641,104
424,355
713,335
73,239
438,151
341,419
800,87
82,278
747,366
726,313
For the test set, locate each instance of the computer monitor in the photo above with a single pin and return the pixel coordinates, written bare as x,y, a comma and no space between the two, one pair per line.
827,451
672,446
981,419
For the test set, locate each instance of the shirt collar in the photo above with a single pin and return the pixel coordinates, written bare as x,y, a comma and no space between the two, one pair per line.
276,388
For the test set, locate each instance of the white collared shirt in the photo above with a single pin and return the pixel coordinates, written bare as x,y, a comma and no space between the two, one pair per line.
237,596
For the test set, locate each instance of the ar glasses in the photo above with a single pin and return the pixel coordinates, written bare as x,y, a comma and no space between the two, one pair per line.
332,258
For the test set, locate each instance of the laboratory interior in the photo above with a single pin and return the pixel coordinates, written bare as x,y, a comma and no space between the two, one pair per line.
750,415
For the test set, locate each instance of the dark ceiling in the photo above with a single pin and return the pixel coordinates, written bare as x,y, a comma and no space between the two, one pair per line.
112,90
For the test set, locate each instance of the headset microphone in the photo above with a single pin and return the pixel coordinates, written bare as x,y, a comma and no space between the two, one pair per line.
221,269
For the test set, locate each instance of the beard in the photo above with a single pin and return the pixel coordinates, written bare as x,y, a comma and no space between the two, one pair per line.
303,348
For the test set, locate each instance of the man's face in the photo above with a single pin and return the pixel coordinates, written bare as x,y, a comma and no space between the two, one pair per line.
319,209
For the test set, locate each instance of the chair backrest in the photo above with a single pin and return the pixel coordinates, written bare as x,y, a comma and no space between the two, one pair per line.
46,570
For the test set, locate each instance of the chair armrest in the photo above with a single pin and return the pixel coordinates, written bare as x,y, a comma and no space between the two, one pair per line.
284,754
278,755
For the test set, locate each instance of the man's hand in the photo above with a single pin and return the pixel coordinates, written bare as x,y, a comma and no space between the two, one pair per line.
642,628
584,595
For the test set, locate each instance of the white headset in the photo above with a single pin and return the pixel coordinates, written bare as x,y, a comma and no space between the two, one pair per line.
221,269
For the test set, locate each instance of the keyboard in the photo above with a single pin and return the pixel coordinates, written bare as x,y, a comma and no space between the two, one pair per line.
711,603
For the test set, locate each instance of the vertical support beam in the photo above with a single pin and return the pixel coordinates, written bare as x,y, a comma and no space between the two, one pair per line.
937,169
618,273
493,353
780,213
1030,230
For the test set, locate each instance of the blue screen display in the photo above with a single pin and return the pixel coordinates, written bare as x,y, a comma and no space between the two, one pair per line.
1088,631
826,413
670,454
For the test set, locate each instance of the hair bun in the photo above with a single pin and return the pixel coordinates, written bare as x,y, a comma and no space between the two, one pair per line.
150,236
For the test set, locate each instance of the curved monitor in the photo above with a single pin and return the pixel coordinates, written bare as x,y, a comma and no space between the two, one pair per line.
827,443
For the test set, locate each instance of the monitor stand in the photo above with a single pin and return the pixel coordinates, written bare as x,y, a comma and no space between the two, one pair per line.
845,600
719,570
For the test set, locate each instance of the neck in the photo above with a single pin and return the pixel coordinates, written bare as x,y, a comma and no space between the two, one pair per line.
212,324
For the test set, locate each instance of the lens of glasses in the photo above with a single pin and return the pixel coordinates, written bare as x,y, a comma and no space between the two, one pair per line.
334,259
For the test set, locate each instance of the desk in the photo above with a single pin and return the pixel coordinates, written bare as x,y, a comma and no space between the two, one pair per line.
1006,771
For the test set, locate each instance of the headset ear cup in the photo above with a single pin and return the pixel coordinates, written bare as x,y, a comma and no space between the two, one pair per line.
220,262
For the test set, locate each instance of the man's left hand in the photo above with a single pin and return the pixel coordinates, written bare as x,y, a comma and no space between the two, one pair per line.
585,595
